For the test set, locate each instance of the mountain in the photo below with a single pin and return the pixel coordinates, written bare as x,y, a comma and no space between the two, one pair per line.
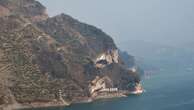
56,60
30,9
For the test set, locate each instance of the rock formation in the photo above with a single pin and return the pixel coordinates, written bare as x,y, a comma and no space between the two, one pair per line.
40,55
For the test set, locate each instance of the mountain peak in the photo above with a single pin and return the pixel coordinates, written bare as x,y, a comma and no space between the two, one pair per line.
41,55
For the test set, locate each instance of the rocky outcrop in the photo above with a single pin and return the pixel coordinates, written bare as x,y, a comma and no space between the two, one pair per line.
100,83
39,57
106,58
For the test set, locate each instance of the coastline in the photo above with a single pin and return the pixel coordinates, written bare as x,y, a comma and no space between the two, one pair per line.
31,106
64,104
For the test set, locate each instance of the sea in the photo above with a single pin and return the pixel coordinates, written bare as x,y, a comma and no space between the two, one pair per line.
170,89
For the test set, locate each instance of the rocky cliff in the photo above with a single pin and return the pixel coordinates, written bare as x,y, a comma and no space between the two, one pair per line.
40,56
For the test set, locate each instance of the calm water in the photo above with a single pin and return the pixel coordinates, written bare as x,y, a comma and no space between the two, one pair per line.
167,90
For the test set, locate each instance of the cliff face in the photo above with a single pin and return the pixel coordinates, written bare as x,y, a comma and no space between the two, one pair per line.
69,31
39,57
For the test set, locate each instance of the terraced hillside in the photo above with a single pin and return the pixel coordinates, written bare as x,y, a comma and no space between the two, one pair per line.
39,58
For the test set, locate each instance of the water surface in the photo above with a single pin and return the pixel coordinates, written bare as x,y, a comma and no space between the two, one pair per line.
166,90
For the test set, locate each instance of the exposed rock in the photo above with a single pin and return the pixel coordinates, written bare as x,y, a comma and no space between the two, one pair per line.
100,83
39,57
109,57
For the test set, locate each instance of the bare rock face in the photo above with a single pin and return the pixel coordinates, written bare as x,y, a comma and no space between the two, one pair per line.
40,56
106,58
99,84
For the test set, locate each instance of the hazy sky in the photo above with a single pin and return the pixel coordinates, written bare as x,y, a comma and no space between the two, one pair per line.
161,21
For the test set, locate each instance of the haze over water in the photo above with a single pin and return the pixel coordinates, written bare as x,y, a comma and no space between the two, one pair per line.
169,22
167,90
159,32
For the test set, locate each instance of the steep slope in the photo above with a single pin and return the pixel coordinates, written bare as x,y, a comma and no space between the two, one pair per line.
69,31
85,41
55,59
28,8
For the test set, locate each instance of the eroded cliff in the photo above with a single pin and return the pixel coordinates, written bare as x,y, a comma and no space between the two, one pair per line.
45,59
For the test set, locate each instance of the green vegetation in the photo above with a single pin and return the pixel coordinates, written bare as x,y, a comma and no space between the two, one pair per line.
37,59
